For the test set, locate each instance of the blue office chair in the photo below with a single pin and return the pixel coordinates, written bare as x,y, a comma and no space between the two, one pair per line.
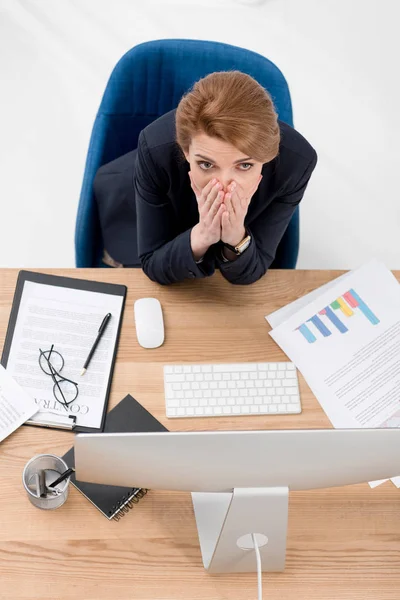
148,81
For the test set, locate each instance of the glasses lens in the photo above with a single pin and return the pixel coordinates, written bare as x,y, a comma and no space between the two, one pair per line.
55,359
65,391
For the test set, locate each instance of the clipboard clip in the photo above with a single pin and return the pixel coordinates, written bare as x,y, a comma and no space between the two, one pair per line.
70,424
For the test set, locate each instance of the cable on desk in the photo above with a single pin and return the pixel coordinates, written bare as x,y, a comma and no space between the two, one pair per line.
259,572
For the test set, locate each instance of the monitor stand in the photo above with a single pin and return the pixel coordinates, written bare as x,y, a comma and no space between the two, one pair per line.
225,522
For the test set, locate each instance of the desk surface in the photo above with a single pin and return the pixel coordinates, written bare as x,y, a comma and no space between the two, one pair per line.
342,543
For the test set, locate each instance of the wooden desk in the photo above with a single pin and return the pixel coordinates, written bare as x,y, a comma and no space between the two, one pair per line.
342,543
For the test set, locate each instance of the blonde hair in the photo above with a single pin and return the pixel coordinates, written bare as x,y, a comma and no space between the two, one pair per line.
233,107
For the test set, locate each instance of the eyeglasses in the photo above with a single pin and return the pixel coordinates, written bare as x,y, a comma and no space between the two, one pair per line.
65,390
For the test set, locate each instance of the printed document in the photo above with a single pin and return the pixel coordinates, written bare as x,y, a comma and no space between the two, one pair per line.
346,343
16,406
69,320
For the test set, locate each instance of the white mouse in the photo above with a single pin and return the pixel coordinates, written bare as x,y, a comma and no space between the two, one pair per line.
149,322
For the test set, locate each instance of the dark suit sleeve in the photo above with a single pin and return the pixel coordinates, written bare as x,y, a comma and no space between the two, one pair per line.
165,253
267,231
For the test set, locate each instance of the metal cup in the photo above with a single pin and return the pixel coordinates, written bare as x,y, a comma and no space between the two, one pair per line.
53,466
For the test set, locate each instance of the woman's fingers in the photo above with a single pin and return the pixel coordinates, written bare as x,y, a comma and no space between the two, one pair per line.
215,205
210,198
225,219
229,203
216,222
210,188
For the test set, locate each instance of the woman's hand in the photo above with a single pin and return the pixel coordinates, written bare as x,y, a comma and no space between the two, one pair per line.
210,206
236,205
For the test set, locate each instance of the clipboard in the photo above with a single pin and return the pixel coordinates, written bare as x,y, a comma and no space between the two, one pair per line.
71,283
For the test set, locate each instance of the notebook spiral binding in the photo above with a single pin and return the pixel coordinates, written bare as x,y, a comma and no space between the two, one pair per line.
126,503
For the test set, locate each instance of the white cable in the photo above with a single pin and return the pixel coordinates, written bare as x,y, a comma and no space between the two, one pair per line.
259,572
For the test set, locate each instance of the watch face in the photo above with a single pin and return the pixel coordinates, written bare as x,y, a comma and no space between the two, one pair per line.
243,245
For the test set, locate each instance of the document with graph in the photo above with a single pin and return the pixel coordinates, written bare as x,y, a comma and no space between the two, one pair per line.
346,343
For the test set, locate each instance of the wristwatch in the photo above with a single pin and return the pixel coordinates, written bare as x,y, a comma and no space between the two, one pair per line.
241,246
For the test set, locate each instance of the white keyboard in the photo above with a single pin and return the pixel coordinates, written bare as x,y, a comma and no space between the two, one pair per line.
231,389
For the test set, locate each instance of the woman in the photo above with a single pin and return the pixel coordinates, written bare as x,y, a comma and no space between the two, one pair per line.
213,184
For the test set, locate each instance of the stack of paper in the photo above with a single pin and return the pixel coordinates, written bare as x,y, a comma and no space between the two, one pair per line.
345,340
16,406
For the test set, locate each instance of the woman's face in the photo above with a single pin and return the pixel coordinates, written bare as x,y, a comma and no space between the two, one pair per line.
210,157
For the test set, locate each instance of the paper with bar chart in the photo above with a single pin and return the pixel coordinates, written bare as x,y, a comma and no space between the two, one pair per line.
346,343
335,317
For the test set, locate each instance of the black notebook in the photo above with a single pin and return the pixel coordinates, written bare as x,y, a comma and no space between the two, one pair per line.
112,500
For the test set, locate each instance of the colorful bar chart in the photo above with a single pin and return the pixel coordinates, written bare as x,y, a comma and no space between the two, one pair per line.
329,319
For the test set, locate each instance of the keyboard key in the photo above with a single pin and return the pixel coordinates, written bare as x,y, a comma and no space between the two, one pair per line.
291,374
172,403
288,382
175,378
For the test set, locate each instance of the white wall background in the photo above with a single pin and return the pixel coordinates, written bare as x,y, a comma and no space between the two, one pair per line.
340,58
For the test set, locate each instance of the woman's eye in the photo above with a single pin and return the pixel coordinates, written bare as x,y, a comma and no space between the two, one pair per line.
206,166
247,166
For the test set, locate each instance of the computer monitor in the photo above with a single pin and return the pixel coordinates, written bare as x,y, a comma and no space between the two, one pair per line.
240,480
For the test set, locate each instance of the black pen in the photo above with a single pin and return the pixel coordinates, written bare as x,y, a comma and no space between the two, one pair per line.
63,476
96,341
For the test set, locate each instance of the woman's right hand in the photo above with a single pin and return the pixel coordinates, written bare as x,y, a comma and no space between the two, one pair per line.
211,207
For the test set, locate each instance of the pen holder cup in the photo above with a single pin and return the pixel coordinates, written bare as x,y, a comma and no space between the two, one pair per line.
53,467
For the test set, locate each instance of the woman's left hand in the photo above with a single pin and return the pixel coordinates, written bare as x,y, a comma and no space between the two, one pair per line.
236,204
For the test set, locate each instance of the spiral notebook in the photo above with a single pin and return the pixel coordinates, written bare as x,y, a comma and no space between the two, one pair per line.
115,501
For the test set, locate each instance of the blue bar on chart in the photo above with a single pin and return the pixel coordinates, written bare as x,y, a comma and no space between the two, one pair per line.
322,328
328,312
307,333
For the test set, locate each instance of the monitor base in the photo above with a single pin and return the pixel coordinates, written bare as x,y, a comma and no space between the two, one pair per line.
225,522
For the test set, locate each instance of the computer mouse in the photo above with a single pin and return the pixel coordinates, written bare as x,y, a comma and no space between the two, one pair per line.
149,322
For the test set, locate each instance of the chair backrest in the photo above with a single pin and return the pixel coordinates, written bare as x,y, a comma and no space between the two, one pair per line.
148,81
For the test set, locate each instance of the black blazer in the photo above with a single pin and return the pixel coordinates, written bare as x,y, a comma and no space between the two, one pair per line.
147,207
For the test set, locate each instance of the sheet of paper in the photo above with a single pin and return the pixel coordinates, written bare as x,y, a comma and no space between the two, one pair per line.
69,319
346,343
16,406
282,314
